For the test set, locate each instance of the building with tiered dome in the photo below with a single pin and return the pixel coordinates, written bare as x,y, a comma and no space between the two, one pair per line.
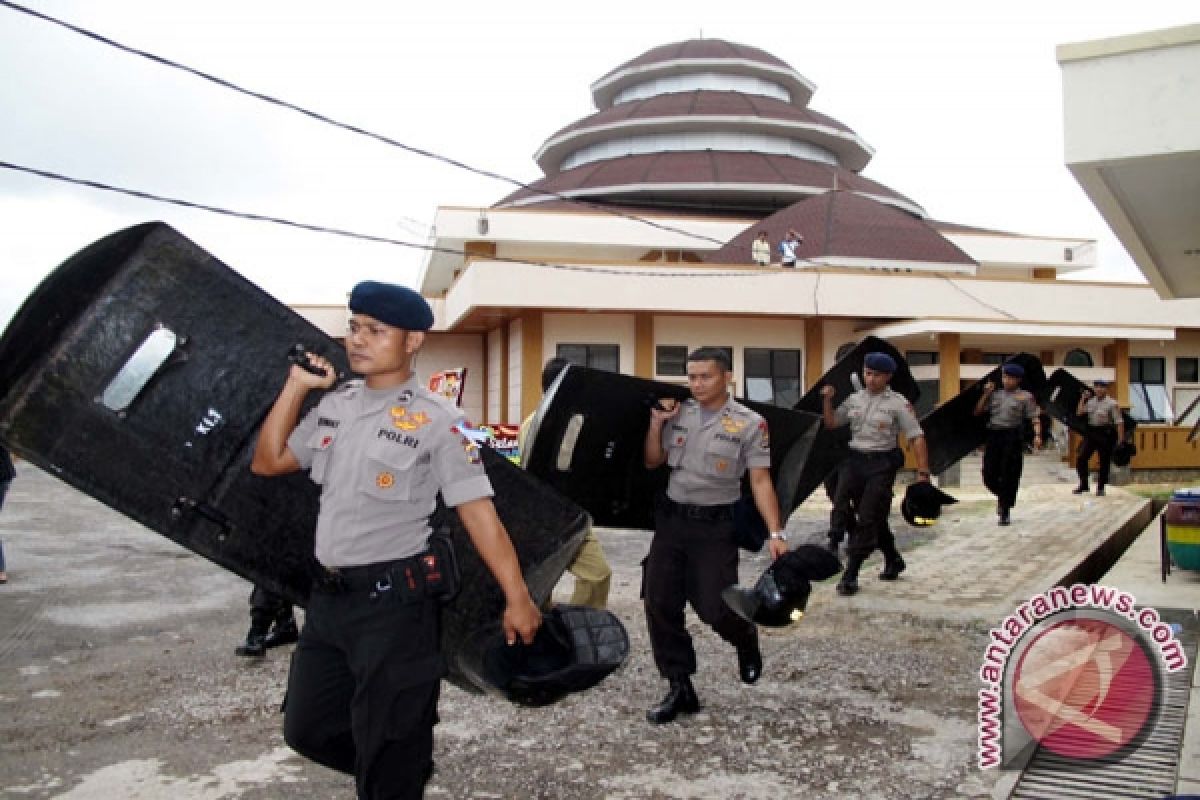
634,248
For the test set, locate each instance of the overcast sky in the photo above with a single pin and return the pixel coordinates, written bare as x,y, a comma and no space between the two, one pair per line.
961,102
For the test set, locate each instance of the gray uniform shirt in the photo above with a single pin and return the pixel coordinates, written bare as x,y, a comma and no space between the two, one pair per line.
707,459
1009,409
1101,411
877,419
380,457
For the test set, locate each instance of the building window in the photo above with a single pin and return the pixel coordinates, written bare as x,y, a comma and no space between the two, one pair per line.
1148,399
597,356
671,360
921,358
1187,370
994,358
1188,403
1078,358
773,376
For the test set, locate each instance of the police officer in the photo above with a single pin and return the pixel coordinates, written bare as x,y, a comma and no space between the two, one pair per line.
1105,427
876,415
708,441
1003,454
363,687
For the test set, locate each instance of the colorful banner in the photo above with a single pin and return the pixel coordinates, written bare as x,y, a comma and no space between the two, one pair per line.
449,384
501,438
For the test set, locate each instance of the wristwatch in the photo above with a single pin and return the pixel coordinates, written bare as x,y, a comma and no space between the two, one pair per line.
780,535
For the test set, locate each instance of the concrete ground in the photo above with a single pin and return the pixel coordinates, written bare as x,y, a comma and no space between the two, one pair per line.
118,679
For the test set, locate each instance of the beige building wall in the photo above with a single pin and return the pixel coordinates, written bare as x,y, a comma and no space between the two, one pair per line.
837,333
736,332
451,351
615,329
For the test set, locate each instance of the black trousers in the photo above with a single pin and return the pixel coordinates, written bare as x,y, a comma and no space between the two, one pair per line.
363,688
1003,460
1099,439
865,482
690,561
267,608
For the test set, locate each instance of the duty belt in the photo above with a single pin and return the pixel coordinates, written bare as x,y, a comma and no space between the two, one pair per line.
404,573
703,513
870,453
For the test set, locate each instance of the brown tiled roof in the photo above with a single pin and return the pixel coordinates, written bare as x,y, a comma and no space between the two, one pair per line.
706,167
703,102
700,48
842,223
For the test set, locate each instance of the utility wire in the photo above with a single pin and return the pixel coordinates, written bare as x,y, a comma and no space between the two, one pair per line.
166,62
674,272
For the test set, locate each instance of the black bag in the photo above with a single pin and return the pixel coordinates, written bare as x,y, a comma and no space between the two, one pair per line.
439,568
749,529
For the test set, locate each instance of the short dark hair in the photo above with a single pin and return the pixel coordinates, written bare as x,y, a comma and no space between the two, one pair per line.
551,370
712,354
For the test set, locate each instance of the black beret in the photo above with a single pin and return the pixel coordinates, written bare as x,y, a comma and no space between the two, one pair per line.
1016,370
396,305
880,362
1100,382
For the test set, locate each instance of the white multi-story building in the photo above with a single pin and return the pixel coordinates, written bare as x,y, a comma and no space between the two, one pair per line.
634,249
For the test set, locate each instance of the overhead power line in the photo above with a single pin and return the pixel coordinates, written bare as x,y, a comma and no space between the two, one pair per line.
366,237
675,272
266,98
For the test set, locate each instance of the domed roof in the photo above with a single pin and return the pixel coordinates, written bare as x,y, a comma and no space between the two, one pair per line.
700,54
706,110
703,125
842,226
745,182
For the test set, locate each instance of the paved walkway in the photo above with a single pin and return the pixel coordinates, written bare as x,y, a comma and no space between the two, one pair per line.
965,566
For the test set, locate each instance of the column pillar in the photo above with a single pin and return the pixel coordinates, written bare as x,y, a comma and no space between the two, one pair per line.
1116,355
949,366
814,348
532,360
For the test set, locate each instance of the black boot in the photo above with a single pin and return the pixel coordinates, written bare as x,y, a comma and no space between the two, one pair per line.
283,632
1005,519
255,644
893,565
1080,489
681,699
750,661
848,585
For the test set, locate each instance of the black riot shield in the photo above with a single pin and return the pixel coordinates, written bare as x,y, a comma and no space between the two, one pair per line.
139,372
831,446
952,430
588,434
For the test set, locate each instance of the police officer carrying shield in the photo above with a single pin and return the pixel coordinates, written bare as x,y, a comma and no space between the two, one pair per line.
1105,427
1004,451
708,441
363,687
876,415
